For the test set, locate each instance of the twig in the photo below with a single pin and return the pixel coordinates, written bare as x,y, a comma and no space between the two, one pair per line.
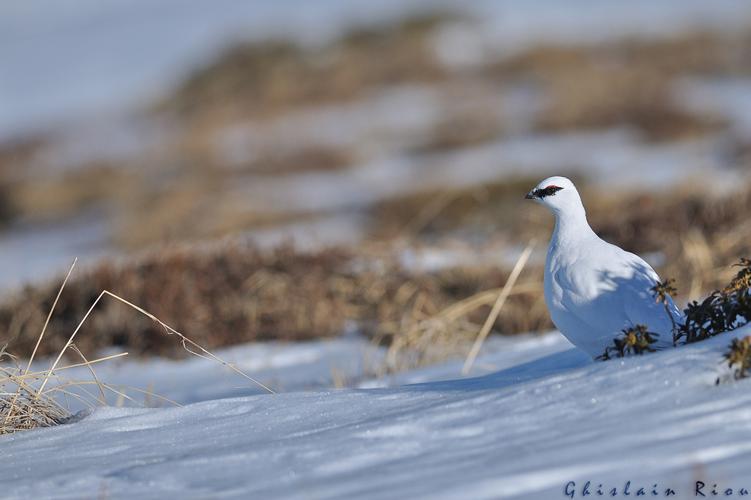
496,310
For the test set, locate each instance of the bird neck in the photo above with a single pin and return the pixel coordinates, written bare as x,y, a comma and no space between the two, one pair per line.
571,225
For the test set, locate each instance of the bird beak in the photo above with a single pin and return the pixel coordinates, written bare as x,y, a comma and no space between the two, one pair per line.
531,195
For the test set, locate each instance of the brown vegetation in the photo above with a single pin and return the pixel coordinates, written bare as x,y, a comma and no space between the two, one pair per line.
602,97
231,294
461,129
477,210
700,235
738,357
258,78
627,82
297,161
55,197
234,294
178,191
30,399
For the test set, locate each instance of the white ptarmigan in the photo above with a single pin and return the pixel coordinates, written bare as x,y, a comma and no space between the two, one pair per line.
594,289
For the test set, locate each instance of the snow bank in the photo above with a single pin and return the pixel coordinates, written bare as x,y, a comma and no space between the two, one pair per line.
522,432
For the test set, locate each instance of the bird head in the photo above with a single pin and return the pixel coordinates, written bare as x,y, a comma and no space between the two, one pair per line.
556,193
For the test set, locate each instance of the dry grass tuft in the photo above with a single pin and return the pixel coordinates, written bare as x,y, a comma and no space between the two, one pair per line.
738,357
699,234
233,294
26,410
428,335
29,400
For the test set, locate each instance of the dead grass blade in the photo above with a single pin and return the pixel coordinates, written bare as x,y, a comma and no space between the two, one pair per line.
25,409
103,399
49,315
28,406
188,344
502,297
39,374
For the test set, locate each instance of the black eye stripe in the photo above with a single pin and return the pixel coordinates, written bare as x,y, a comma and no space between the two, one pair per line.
548,191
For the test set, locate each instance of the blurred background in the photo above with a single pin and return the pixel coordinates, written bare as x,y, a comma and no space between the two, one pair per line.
266,170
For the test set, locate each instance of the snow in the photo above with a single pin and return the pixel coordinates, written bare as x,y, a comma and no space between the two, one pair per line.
729,98
547,415
282,366
41,252
89,48
597,154
389,120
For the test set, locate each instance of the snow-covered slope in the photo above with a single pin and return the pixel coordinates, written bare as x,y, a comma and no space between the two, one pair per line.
72,42
522,432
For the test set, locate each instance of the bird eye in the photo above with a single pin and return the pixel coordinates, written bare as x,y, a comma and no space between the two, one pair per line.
548,191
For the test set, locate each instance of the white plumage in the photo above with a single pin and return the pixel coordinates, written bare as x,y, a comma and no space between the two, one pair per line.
594,289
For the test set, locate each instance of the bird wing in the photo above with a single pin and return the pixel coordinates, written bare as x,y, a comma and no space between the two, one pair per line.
643,308
610,289
588,297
